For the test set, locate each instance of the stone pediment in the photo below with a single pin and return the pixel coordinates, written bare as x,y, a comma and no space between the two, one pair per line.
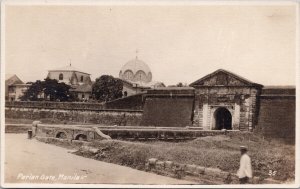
223,78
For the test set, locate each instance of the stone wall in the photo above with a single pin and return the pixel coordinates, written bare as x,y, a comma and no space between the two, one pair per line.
123,132
169,107
168,112
56,105
69,132
204,175
103,117
134,102
277,114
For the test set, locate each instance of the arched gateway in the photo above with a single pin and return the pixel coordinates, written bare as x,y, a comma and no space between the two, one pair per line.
223,119
224,100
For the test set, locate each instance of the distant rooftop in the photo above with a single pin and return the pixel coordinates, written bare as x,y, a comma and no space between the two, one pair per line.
8,76
68,68
139,84
12,79
173,88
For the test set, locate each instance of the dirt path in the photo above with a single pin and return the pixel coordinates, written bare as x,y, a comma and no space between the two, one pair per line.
30,161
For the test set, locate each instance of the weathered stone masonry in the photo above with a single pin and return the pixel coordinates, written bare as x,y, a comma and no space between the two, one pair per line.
102,117
225,91
277,115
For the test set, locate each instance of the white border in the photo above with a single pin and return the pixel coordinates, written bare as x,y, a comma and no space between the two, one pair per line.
141,3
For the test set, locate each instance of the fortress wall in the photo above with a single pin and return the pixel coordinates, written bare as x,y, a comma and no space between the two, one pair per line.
277,114
169,107
101,117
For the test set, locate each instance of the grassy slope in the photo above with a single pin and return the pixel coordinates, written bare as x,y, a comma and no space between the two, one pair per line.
218,151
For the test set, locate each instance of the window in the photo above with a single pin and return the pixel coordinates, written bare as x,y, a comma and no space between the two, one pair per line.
81,78
61,76
82,96
128,75
11,89
140,76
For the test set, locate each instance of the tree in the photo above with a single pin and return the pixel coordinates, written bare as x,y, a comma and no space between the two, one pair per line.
107,88
180,84
57,91
48,88
33,92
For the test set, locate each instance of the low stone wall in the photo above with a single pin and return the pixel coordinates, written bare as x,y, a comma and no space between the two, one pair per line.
204,175
167,133
128,133
66,132
62,142
93,132
103,117
17,128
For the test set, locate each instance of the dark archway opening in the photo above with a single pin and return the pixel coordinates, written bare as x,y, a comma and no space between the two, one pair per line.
223,119
81,137
61,135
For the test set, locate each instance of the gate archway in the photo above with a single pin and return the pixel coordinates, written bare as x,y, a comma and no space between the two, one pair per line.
223,119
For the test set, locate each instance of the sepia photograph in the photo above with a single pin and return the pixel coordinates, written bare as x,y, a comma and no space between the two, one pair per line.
139,94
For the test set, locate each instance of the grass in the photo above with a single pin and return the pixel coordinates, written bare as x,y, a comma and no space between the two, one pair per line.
218,152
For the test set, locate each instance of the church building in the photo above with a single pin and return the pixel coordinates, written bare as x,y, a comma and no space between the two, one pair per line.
79,81
137,77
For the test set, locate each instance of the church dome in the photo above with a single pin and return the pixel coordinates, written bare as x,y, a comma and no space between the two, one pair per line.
136,71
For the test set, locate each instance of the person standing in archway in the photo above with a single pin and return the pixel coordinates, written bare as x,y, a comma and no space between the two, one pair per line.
245,171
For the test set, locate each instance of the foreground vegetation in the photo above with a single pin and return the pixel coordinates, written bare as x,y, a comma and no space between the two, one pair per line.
269,158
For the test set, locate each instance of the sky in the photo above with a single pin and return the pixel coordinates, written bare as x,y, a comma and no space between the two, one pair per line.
179,43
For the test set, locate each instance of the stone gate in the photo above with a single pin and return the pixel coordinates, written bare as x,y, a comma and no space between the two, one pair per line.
224,100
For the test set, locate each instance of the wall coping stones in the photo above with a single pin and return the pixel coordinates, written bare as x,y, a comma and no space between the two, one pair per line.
64,106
